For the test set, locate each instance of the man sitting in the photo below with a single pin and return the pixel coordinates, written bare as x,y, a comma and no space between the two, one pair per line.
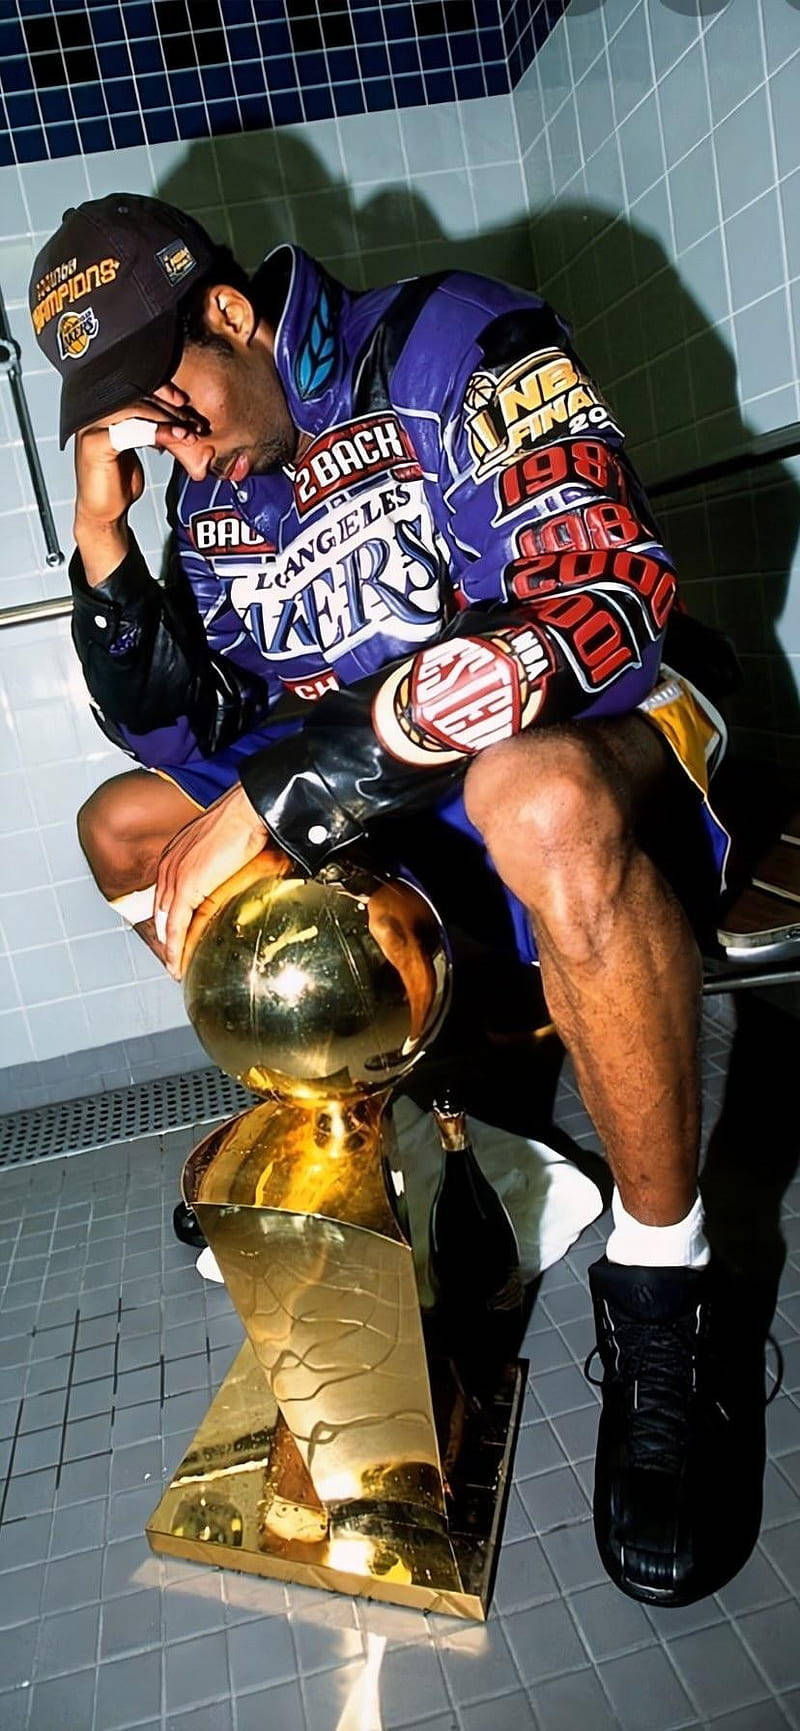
413,570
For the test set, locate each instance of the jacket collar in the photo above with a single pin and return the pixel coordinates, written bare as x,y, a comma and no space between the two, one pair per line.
309,352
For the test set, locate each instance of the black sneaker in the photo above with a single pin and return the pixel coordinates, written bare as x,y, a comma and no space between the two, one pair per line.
681,1445
187,1228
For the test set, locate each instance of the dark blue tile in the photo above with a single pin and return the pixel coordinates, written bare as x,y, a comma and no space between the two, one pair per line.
95,135
193,121
255,111
113,60
6,153
22,110
461,14
343,64
17,75
88,100
286,107
489,42
236,12
516,66
404,56
374,61
212,48
337,27
121,96
217,83
469,51
380,94
497,78
368,24
63,140
434,53
224,117
249,78
243,43
540,28
275,38
55,105
30,145
469,81
410,91
107,24
318,102
399,20
311,69
153,91
127,130
429,18
140,19
280,73
348,99
146,55
160,126
185,87
12,40
439,87
555,10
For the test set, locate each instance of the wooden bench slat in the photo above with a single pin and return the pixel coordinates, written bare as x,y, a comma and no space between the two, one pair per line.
756,910
779,870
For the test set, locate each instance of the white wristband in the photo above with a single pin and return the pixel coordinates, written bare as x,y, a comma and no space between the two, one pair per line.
126,435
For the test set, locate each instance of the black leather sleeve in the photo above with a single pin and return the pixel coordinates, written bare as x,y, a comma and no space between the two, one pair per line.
319,789
146,660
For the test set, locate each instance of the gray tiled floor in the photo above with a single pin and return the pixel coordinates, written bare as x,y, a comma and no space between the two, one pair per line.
110,1347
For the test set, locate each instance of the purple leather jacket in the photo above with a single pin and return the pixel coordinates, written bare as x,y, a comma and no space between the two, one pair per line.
462,551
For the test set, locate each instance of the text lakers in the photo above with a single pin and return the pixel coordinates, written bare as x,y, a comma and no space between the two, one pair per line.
536,395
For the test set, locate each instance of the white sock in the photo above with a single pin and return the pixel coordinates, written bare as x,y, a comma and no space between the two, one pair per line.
683,1245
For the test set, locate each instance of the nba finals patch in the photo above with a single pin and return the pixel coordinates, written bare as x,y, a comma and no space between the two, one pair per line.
176,261
539,397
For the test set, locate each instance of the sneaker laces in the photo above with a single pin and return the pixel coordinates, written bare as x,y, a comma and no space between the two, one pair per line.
656,1365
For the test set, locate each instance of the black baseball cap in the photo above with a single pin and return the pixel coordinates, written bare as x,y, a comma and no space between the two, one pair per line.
104,298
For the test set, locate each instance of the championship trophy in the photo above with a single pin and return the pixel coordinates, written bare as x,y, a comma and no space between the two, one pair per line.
355,1444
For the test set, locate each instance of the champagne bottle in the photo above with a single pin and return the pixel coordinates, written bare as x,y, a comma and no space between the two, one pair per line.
473,1256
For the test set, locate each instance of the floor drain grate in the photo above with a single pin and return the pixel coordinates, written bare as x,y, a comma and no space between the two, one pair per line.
76,1126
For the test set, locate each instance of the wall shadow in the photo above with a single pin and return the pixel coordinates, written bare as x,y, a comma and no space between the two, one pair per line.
733,542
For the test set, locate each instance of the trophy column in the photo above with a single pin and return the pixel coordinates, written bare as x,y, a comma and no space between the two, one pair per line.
320,1459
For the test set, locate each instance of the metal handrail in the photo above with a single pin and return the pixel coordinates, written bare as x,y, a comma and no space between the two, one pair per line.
56,608
766,448
10,368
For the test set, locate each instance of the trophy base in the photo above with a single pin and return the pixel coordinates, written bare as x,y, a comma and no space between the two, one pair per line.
241,1499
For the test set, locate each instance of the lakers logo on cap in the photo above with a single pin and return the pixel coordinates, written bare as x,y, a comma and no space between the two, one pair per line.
75,332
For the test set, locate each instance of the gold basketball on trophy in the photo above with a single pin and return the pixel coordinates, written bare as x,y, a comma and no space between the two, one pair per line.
315,988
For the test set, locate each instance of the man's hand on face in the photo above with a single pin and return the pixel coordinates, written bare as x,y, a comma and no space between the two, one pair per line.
202,856
109,482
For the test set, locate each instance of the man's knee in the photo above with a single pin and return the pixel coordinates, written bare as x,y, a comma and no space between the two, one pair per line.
114,825
559,788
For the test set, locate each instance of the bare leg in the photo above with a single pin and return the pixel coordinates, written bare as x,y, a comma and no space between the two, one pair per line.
124,828
620,967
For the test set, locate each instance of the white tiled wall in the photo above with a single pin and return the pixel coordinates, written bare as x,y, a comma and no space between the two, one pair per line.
661,151
651,159
375,196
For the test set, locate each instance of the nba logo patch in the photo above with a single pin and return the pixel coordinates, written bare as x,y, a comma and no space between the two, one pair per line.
176,261
75,332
